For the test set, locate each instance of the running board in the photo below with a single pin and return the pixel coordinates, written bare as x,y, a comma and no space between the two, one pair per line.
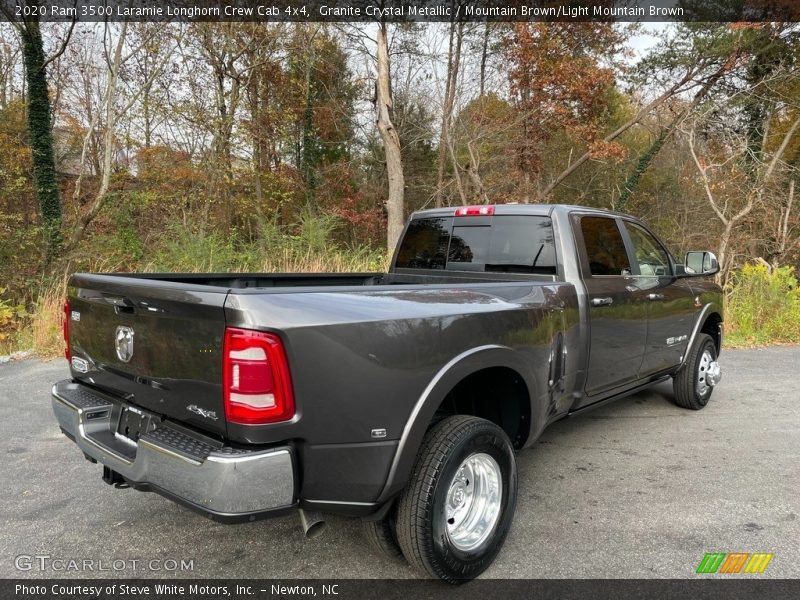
618,396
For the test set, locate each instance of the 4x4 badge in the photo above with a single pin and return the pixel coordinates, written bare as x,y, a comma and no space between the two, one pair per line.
208,414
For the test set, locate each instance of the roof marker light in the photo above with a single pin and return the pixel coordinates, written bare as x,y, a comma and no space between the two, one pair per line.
485,210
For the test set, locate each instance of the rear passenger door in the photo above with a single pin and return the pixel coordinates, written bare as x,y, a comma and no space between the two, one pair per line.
618,323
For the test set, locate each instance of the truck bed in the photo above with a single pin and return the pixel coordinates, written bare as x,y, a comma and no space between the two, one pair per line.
177,324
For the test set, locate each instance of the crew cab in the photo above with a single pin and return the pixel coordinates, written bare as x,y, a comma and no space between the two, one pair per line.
400,398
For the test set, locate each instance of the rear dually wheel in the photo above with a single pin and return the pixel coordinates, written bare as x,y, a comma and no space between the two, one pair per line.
454,515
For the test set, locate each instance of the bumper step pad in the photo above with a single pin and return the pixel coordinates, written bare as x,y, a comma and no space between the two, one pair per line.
180,442
83,398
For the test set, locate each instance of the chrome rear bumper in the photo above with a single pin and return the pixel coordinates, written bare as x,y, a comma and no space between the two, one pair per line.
220,481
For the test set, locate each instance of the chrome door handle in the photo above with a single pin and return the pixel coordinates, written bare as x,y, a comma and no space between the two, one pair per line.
602,301
655,296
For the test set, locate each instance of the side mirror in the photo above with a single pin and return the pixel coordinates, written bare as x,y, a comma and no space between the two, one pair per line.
701,263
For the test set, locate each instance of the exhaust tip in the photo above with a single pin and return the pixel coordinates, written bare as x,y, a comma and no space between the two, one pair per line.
316,530
312,523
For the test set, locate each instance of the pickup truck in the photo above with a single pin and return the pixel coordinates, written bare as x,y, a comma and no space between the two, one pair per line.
400,398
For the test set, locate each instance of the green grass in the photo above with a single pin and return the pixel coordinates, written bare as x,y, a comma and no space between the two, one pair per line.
762,307
193,253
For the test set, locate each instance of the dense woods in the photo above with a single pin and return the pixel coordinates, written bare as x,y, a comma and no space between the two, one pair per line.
285,146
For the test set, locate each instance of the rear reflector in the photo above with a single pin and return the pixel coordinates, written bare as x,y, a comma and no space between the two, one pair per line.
256,379
475,211
65,329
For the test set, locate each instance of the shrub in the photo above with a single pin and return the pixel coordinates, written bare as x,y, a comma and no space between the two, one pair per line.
20,256
12,319
46,326
189,251
763,305
308,248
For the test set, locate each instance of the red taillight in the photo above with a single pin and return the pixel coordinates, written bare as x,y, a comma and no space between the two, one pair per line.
65,329
256,379
475,211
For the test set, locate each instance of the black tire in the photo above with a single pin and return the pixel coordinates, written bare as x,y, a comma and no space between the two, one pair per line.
382,538
686,382
421,519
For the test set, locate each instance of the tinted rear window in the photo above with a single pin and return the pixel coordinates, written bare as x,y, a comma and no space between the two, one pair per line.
512,244
425,244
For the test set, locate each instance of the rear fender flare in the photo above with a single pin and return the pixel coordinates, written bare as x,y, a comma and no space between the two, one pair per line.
463,365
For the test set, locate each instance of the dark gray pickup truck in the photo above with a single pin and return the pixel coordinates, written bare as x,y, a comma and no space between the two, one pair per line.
397,397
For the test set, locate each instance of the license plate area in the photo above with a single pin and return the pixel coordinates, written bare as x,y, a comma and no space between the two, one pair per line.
134,423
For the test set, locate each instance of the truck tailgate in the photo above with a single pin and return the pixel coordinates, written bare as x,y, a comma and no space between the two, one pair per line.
157,344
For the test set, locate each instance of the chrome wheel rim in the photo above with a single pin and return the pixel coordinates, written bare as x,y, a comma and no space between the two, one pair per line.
473,502
704,382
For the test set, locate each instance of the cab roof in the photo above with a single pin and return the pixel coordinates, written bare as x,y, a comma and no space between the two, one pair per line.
519,209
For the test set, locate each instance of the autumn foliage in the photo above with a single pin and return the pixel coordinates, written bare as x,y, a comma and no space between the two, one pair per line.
257,146
560,76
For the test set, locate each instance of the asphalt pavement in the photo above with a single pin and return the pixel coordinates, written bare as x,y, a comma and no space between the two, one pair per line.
638,488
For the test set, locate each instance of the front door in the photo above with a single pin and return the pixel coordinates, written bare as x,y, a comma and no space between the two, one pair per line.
670,303
618,322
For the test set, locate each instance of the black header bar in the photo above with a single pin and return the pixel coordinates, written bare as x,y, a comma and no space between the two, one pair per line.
398,11
708,588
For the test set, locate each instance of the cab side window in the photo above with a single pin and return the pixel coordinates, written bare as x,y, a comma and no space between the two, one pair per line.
605,248
651,256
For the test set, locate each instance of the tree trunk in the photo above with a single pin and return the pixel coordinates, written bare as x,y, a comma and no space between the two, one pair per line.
473,171
722,253
41,136
783,226
308,157
391,142
8,62
456,172
146,116
453,60
484,53
254,85
109,138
